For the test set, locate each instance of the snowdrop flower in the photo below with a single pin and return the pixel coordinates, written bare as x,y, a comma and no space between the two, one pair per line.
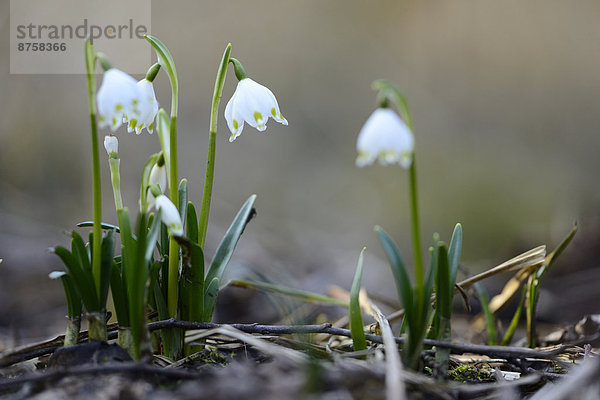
158,176
147,108
252,103
118,96
169,215
111,144
385,137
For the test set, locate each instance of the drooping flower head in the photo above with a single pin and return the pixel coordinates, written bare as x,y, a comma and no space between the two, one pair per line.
385,137
111,144
117,97
147,109
169,215
252,103
158,176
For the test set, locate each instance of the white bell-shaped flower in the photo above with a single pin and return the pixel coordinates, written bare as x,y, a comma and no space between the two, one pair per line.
111,144
252,103
158,176
169,215
148,107
117,97
385,137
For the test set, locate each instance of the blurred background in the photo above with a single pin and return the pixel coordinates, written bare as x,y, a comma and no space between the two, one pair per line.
505,98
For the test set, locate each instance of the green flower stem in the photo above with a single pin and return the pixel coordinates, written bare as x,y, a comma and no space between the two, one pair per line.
115,176
90,63
165,59
212,140
415,227
388,91
173,282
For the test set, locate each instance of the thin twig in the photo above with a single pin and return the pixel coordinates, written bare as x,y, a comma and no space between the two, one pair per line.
494,351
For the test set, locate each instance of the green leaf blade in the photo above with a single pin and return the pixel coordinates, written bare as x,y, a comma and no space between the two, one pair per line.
227,246
356,321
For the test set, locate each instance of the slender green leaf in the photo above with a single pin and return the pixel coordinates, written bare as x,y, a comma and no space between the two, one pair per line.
136,284
192,281
183,199
454,252
297,294
128,248
443,284
106,263
192,223
556,252
405,292
443,304
80,251
152,237
490,322
104,225
514,323
119,295
356,321
161,303
531,299
211,292
72,296
229,241
83,280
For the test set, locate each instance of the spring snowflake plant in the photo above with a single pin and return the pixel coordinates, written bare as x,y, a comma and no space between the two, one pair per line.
161,265
389,139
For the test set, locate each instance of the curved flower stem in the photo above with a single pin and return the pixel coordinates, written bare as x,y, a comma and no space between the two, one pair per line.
390,91
90,64
166,61
212,139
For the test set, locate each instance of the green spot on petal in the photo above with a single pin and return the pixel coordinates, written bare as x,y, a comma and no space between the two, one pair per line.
235,125
273,112
119,107
257,116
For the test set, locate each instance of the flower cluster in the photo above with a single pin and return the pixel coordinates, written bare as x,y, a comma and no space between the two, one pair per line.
122,99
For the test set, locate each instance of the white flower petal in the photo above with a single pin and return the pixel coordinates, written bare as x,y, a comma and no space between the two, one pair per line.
117,97
148,107
252,103
169,215
158,176
111,144
385,137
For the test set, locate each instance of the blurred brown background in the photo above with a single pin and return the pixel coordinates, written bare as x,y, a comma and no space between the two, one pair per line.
505,98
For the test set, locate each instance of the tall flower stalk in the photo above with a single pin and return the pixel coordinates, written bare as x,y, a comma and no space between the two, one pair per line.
166,61
389,92
212,142
90,65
